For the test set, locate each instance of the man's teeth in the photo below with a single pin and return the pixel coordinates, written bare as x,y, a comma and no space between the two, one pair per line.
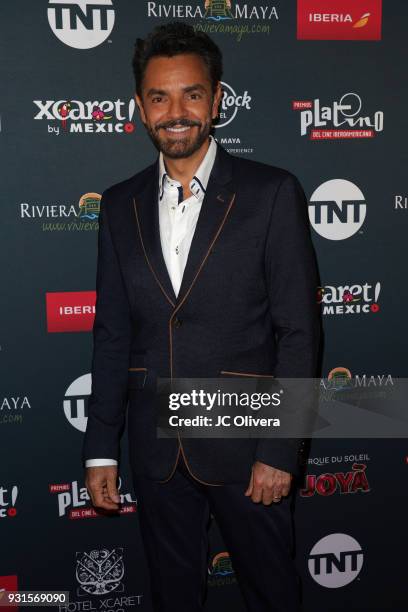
179,129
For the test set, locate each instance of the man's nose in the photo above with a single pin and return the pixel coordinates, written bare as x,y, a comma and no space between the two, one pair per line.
177,109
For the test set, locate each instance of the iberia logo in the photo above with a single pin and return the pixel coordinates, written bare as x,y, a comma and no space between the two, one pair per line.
339,20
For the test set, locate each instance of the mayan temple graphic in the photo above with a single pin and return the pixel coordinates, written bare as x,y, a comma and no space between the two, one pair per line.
218,9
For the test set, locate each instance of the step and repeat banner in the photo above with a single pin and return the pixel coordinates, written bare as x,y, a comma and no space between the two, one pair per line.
317,87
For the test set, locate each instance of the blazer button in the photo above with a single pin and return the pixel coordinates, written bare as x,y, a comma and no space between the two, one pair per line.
177,322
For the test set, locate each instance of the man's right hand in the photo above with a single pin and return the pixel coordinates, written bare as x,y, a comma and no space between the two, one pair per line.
101,484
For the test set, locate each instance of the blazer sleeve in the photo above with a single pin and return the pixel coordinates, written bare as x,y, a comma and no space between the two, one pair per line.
292,280
111,346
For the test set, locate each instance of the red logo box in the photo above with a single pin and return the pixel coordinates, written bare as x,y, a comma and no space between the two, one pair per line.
7,583
70,311
339,19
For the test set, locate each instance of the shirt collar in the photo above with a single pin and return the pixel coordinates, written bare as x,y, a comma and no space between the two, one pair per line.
198,184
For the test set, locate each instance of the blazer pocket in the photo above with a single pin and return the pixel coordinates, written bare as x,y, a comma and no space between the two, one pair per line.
137,378
244,374
137,372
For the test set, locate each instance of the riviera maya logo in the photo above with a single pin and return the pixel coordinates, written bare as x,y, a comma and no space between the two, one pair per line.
89,206
219,16
65,217
220,570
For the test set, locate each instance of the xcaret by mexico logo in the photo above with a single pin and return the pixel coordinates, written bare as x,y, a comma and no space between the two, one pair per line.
89,117
349,299
337,209
8,498
70,311
339,19
74,501
82,24
342,119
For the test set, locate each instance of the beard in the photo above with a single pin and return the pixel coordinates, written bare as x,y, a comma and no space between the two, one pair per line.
179,146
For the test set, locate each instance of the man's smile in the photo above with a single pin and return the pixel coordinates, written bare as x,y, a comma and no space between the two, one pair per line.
178,130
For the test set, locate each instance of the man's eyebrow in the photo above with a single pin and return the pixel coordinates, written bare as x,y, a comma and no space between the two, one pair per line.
156,92
161,92
194,87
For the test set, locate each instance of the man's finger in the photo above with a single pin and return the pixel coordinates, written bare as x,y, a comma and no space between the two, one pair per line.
112,490
256,492
97,488
250,486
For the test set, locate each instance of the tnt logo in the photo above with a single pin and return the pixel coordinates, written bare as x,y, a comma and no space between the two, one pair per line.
337,209
74,402
335,560
82,24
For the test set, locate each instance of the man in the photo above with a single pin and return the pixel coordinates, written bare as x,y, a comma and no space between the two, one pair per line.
205,268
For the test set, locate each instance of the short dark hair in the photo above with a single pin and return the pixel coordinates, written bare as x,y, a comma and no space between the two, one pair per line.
176,38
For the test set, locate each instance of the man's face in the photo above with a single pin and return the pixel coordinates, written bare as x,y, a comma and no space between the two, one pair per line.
178,104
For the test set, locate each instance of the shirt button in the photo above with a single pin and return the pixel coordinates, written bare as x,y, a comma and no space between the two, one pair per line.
177,322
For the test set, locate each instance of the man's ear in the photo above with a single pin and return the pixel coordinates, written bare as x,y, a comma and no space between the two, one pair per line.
216,101
140,107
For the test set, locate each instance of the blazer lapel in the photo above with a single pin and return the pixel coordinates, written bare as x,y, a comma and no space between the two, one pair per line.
145,204
215,208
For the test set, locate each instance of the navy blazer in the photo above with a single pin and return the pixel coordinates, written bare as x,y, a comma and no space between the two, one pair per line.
246,305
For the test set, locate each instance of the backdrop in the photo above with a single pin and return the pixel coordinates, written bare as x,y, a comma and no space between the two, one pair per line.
317,87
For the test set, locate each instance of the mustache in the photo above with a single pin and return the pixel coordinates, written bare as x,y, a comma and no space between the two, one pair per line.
179,122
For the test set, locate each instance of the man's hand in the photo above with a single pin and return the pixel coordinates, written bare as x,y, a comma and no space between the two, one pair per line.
268,484
101,485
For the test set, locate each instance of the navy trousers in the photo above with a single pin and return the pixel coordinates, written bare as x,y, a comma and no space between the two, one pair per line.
174,518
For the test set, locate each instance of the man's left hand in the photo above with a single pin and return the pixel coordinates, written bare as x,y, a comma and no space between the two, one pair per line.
268,484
